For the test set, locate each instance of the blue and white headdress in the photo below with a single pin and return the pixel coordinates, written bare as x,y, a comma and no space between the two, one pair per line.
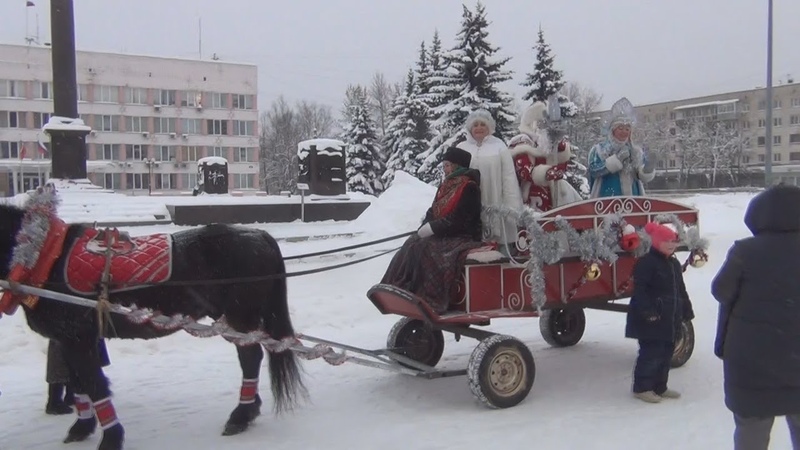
622,113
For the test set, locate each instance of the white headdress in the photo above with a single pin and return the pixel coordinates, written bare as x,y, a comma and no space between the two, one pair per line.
622,113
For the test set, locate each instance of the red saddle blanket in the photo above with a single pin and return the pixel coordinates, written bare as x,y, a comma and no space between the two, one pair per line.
135,261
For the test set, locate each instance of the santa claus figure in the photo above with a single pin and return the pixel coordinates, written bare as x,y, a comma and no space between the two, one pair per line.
540,172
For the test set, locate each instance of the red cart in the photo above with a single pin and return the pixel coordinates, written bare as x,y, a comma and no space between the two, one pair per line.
501,369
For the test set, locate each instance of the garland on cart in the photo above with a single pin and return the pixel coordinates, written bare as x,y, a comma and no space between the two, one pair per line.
593,246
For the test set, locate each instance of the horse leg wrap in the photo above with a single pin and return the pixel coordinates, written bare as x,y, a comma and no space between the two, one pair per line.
105,412
83,406
248,392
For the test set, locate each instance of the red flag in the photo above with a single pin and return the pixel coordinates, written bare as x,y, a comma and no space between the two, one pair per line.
42,148
29,3
22,152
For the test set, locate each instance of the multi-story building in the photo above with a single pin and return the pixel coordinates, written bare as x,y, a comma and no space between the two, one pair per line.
152,118
745,111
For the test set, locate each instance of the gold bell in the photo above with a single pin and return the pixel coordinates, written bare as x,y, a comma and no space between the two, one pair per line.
698,260
593,272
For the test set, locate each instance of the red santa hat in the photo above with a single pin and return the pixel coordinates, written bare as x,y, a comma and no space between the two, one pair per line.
660,233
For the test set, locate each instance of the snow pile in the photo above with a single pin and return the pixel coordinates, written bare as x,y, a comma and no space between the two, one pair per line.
400,208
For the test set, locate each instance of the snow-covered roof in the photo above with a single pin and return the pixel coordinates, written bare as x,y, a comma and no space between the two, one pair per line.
700,105
66,124
212,160
305,146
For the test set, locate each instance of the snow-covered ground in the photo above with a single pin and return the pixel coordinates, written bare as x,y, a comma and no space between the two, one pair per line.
177,392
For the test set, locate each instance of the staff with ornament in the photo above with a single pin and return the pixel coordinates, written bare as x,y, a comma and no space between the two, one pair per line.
539,166
617,166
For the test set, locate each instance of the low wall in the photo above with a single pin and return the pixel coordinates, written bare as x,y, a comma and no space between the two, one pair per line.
264,213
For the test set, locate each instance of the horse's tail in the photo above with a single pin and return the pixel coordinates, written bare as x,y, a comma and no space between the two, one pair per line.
284,370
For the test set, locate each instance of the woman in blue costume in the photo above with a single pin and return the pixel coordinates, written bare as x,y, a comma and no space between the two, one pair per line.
616,166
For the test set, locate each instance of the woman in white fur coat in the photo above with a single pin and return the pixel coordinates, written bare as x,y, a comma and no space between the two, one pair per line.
499,186
538,172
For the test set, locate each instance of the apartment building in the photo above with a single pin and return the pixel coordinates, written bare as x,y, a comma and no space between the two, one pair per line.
745,110
152,118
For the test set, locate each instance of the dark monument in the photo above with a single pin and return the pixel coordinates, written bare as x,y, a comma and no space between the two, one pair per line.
68,139
322,168
212,175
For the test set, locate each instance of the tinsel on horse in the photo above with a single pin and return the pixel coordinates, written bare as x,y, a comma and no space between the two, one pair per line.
165,273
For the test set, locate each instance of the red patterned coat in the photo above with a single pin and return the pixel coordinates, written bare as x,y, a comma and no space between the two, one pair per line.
533,171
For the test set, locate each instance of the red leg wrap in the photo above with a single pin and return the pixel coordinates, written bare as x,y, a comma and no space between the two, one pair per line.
105,412
249,391
83,406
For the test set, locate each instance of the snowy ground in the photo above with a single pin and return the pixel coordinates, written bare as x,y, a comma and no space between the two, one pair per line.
177,392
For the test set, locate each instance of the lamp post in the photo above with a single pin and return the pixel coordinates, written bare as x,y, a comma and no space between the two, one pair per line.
768,137
150,163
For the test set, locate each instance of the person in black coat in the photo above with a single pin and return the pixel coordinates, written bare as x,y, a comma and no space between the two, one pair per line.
758,331
658,307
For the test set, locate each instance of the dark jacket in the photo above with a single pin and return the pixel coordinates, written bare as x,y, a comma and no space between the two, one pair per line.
659,303
465,219
758,332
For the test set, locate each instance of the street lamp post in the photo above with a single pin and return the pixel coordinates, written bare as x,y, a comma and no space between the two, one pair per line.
150,163
768,137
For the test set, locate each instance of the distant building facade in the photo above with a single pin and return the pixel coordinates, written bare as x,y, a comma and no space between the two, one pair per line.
152,118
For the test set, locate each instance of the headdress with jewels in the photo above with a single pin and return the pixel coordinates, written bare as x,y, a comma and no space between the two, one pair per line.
622,113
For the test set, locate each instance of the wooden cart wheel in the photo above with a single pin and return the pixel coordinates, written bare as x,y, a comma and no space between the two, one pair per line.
684,345
562,327
501,371
416,340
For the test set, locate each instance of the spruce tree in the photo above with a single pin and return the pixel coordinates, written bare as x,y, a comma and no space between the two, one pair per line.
363,166
468,83
545,80
411,129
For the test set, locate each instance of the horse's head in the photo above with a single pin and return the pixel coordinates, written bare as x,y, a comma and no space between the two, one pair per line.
10,224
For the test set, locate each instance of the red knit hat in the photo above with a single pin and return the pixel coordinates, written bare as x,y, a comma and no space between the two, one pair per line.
660,233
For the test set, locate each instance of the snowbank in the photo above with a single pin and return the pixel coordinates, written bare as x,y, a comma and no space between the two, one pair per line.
400,208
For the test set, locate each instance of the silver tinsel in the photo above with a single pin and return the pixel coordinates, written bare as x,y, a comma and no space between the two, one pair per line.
40,207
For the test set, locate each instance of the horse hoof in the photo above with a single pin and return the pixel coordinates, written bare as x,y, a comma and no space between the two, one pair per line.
234,428
81,430
76,437
112,438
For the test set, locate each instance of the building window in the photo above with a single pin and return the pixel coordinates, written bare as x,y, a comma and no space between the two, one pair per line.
107,123
136,124
242,101
83,93
761,158
166,181
244,154
9,150
745,107
135,96
777,121
193,126
794,156
217,127
190,98
762,123
164,125
219,152
660,164
190,153
42,90
745,159
109,152
112,180
219,101
106,94
40,119
189,179
243,128
12,88
745,124
671,163
135,152
137,180
13,119
762,141
776,140
776,103
776,157
165,153
794,138
794,120
796,102
726,108
245,180
165,97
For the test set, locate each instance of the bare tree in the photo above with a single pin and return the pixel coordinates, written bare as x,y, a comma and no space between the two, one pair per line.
727,143
381,95
279,134
314,120
586,99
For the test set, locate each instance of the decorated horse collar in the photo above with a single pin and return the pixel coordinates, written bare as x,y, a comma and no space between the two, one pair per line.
39,243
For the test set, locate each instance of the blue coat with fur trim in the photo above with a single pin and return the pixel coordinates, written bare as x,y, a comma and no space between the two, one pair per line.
609,176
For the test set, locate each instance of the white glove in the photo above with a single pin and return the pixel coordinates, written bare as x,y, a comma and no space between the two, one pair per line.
425,231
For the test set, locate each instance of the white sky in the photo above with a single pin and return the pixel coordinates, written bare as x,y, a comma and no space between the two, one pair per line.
647,50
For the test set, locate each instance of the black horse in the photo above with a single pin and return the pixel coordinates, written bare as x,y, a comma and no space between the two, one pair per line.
214,252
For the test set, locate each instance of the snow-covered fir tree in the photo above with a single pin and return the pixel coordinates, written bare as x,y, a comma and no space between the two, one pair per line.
576,175
469,82
411,131
545,80
363,166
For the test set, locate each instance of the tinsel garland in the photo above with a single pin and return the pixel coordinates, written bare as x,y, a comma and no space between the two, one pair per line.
591,246
40,207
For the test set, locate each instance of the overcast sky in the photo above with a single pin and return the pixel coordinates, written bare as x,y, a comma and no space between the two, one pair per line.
647,50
